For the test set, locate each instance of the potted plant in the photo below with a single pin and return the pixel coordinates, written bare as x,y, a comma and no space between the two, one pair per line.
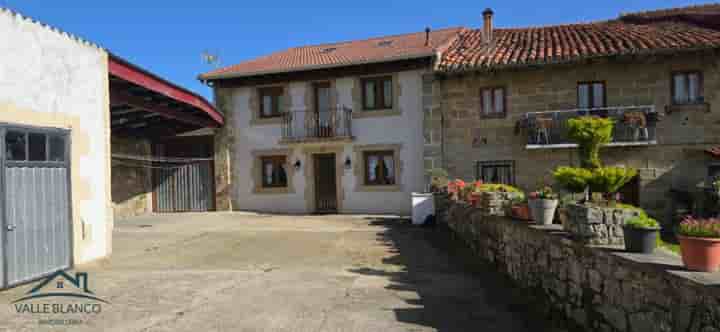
700,243
573,179
520,209
608,180
455,188
543,204
641,234
475,192
468,195
438,179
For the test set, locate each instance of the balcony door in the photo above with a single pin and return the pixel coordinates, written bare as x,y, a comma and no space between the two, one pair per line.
323,112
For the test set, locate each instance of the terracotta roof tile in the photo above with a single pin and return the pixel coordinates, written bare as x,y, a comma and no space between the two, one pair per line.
667,31
341,54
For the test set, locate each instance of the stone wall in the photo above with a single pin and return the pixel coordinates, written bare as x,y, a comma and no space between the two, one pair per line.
676,161
590,287
131,185
224,145
495,203
598,225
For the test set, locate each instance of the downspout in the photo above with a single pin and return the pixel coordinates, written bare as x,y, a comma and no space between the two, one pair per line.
442,129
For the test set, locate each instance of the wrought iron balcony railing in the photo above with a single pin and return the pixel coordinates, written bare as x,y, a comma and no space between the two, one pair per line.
334,123
634,125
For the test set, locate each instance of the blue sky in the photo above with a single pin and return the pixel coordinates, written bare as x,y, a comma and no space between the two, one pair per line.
168,37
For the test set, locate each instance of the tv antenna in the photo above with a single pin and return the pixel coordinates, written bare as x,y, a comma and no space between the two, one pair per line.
210,58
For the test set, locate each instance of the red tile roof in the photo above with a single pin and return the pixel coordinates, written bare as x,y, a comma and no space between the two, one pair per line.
665,32
380,49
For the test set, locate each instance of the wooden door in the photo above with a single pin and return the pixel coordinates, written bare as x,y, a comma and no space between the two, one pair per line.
325,183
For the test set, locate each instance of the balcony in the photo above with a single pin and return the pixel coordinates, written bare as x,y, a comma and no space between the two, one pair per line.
634,126
334,124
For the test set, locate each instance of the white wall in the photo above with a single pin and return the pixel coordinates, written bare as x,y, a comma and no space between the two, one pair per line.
48,78
405,129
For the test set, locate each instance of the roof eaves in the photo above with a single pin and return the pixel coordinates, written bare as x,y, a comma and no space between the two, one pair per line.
458,69
221,76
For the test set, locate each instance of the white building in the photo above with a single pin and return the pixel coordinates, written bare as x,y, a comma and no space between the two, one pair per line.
326,128
61,100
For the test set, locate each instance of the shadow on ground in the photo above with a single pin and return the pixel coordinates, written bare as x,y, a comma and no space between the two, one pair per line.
455,291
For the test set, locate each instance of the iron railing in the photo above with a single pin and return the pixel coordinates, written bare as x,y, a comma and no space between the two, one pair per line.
311,125
633,124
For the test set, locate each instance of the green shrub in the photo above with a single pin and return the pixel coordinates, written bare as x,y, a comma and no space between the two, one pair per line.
573,179
438,177
642,222
610,179
590,133
498,187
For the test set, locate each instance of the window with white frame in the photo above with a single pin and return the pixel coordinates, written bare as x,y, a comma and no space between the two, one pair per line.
492,102
687,88
591,95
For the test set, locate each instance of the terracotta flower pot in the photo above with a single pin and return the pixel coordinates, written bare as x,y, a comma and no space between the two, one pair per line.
521,211
473,198
700,254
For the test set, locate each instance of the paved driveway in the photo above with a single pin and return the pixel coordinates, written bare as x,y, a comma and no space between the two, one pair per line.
249,272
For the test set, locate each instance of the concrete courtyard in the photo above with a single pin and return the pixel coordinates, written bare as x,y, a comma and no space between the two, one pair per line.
251,272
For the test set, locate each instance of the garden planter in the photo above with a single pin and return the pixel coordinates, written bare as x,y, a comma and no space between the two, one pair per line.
473,198
543,210
700,254
521,211
642,240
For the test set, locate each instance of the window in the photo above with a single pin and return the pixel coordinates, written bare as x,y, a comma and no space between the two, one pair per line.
57,148
496,171
273,171
492,102
591,95
36,147
15,145
687,88
271,102
379,168
377,93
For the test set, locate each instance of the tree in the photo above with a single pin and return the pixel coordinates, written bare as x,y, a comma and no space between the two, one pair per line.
590,133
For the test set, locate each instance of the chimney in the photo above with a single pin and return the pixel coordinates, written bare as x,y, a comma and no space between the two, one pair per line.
427,36
487,32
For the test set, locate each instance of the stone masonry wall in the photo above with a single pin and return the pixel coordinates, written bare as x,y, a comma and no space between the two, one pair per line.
677,161
598,225
590,288
131,185
224,150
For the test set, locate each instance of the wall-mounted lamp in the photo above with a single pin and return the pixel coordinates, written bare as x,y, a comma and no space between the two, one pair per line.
348,163
297,165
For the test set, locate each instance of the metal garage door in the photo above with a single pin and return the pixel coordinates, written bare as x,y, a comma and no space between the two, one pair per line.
184,188
36,232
